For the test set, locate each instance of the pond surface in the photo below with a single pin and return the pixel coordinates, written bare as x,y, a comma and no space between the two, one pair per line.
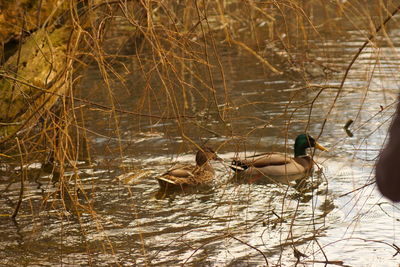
342,220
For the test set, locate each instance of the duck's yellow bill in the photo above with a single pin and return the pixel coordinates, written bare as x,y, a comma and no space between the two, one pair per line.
320,147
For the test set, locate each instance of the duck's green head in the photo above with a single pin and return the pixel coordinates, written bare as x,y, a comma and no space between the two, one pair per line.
304,141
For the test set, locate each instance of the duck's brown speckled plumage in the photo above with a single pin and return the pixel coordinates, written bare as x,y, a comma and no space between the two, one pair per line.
185,178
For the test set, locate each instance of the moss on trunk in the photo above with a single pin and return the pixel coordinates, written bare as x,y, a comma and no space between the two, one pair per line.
35,76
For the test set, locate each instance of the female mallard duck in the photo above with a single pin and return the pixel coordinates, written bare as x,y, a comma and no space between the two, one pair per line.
183,177
276,167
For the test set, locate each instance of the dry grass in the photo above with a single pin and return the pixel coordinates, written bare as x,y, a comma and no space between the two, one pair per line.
173,53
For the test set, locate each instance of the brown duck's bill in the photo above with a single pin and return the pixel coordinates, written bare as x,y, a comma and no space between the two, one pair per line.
320,147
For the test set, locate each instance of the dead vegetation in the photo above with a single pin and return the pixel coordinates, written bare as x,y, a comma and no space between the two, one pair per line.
172,53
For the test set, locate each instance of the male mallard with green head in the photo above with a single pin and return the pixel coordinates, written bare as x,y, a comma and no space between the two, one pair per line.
276,167
189,176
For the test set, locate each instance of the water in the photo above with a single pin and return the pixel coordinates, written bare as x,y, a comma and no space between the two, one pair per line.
230,225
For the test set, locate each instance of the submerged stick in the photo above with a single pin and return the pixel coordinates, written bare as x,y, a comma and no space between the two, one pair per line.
346,128
21,192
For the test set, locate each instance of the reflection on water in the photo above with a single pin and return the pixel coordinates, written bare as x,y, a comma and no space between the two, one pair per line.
231,224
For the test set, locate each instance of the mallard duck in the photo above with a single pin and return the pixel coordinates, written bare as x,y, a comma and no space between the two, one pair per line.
182,177
276,167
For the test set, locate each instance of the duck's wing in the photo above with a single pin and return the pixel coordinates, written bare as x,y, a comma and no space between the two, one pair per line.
178,174
181,171
292,170
289,168
274,159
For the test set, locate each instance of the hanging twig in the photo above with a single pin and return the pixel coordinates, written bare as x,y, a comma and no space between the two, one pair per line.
21,192
253,247
18,55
